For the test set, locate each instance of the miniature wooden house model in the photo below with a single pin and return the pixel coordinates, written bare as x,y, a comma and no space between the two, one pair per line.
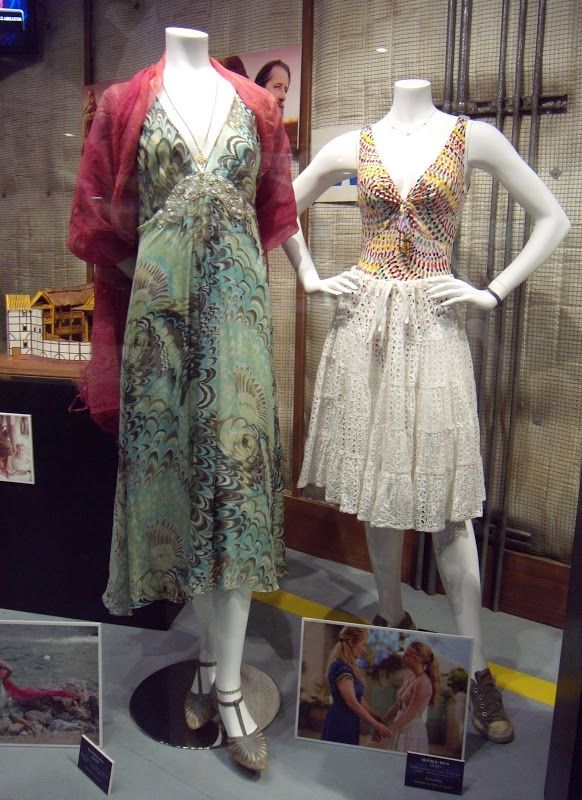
55,323
66,313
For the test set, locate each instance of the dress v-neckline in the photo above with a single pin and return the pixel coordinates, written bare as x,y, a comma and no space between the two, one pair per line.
404,197
186,134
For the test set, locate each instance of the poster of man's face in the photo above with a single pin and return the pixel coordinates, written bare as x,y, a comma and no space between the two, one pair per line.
16,453
279,72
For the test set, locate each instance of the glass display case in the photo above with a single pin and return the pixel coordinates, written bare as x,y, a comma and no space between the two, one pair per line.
219,383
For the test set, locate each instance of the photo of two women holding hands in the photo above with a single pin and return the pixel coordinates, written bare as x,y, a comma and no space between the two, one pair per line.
394,690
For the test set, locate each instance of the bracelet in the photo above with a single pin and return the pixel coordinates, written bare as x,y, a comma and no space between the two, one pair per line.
495,295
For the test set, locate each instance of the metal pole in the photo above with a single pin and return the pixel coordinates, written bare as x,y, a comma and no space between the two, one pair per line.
449,57
499,120
519,307
462,93
298,436
465,39
496,434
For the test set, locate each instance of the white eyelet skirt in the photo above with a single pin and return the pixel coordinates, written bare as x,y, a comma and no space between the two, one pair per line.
394,433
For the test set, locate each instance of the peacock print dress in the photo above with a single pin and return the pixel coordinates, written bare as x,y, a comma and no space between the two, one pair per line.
394,432
198,504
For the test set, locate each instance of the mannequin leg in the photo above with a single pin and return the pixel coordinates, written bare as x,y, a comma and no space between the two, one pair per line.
203,607
458,563
385,551
231,613
200,702
246,743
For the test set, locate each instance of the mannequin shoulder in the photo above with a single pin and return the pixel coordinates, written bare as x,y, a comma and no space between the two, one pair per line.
489,149
341,152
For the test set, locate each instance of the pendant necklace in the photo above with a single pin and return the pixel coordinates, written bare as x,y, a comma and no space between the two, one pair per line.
199,157
415,128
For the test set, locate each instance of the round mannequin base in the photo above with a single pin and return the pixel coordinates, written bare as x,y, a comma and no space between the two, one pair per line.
157,706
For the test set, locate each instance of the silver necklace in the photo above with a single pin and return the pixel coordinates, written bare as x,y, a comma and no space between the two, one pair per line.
200,158
415,128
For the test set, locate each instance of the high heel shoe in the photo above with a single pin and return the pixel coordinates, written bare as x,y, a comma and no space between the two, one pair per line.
249,750
200,707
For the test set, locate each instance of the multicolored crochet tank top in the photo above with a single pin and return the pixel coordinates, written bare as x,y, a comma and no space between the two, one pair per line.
407,238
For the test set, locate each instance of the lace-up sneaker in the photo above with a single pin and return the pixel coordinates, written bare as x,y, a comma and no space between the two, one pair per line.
487,711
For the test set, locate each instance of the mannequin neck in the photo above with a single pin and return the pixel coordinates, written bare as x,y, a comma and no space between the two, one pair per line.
412,103
186,50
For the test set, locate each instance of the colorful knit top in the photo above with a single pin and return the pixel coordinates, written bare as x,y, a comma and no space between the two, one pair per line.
407,238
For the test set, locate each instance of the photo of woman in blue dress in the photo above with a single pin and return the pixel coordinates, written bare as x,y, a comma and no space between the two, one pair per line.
346,683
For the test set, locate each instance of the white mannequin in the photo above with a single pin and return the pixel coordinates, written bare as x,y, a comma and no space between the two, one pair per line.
195,97
408,140
197,100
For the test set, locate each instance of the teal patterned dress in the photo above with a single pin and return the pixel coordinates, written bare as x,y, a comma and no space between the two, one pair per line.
199,489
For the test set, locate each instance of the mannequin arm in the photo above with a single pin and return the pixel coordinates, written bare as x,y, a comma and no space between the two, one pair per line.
489,150
336,161
296,251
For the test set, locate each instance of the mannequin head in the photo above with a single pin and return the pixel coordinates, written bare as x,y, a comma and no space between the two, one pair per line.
275,77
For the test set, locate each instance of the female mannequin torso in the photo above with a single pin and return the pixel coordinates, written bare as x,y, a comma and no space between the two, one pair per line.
407,156
412,133
195,97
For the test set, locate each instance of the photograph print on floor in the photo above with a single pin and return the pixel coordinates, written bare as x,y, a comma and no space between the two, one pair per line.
383,688
50,683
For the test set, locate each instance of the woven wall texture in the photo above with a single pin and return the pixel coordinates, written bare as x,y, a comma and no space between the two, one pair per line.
41,103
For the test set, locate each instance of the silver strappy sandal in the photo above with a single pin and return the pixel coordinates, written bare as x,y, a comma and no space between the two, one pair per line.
200,707
249,750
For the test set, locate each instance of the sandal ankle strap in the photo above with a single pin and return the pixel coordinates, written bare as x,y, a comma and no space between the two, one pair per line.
234,704
203,664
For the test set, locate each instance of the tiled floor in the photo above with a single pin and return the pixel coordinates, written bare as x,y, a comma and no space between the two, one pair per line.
145,769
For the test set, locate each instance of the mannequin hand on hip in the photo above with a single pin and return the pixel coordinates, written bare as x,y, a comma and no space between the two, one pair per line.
449,291
336,285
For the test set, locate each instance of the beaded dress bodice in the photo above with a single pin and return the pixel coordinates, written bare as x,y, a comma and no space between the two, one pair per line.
411,237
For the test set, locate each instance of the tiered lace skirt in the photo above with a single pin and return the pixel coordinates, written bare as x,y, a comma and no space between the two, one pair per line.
394,433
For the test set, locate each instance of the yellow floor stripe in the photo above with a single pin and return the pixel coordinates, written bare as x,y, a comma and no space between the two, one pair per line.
510,679
526,685
293,604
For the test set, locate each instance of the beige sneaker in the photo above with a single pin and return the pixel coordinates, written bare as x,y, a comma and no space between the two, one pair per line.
487,711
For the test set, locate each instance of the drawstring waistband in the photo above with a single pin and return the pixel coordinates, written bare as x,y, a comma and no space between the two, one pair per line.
383,290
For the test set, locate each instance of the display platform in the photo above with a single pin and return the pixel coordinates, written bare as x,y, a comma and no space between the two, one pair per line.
157,705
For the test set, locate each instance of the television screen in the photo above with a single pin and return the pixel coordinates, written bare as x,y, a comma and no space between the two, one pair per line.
17,27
